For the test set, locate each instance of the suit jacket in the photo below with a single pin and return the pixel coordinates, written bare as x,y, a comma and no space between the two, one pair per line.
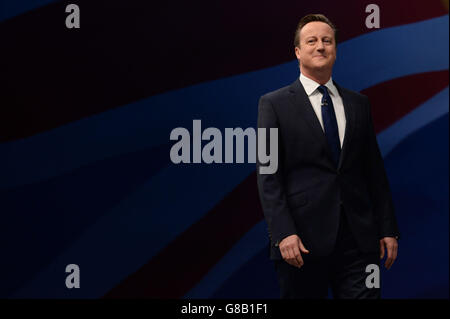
305,195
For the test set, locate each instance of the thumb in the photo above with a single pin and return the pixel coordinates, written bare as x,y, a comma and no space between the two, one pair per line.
381,249
302,248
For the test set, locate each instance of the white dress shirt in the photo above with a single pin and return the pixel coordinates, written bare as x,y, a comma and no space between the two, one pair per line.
315,97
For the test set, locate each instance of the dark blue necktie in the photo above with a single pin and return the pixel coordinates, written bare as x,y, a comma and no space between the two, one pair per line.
330,124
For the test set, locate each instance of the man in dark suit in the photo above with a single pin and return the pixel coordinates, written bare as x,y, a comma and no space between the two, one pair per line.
328,207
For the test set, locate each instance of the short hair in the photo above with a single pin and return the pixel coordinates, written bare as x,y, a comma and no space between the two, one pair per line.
311,18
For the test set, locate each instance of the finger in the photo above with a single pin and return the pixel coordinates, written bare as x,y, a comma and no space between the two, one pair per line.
284,254
295,255
300,260
303,248
293,259
394,254
298,256
381,249
389,259
387,264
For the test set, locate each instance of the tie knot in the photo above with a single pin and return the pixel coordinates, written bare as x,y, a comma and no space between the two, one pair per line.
323,89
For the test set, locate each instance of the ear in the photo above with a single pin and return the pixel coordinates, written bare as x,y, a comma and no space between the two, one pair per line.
297,53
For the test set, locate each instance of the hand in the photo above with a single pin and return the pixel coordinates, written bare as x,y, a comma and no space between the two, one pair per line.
291,248
392,247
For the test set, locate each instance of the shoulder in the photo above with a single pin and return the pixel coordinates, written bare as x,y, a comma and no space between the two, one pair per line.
279,98
277,95
354,96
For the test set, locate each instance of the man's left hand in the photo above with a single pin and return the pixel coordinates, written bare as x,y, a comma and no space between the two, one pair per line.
390,243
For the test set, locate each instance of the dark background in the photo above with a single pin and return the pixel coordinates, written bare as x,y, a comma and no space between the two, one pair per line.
85,119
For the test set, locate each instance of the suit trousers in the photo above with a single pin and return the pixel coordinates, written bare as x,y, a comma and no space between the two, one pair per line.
344,271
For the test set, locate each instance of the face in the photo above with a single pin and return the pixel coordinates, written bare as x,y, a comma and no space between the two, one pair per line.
317,49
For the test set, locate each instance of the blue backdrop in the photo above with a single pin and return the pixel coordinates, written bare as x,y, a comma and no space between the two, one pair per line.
85,172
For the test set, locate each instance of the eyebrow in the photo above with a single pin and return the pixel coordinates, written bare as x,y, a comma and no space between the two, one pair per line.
315,37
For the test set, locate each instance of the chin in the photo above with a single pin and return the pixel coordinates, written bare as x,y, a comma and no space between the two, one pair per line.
321,66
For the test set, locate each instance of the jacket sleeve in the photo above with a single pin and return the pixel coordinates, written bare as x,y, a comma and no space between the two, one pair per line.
378,183
271,186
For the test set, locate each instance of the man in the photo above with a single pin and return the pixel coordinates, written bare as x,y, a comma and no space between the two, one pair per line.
328,207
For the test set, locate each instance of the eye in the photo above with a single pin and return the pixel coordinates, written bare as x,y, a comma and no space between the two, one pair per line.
327,40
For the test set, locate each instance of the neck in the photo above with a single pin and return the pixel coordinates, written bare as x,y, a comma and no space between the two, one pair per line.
320,76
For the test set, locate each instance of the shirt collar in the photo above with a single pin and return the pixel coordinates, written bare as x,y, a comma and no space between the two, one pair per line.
311,85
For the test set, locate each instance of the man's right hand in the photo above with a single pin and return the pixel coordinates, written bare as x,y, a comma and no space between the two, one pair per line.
291,248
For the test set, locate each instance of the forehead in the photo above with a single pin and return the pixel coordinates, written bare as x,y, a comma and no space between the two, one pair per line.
316,28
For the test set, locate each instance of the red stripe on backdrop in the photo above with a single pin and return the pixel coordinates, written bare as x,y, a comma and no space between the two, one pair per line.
393,99
182,264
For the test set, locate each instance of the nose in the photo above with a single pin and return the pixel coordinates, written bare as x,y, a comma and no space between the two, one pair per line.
320,45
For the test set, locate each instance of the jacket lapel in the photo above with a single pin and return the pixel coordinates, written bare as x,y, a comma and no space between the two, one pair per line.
304,110
350,118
